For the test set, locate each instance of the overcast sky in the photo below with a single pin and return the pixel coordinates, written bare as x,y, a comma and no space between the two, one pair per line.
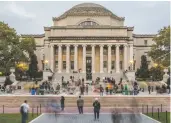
31,17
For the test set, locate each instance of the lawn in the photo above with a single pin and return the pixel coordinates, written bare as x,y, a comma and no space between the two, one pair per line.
162,117
14,118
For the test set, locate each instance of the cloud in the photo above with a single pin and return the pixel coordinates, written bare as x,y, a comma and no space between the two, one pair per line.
19,10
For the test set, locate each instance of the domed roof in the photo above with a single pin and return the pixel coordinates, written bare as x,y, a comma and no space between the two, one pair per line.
88,9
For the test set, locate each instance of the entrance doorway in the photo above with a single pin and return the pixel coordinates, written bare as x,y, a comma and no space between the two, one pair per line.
88,68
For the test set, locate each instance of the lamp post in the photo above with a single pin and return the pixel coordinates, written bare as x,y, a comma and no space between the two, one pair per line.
131,64
46,64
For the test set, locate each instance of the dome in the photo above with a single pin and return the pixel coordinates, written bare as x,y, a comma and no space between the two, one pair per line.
88,9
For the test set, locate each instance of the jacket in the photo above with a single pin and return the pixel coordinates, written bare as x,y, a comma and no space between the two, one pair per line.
80,102
96,106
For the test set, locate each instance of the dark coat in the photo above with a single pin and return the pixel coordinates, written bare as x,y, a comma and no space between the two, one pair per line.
62,101
96,106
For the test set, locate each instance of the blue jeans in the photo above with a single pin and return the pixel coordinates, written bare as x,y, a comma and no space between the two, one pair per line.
23,118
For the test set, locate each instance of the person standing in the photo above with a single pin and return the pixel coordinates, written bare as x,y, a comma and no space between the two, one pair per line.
24,109
149,89
86,88
62,103
96,105
101,90
80,104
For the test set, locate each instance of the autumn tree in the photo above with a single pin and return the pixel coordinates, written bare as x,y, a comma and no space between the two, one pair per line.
160,51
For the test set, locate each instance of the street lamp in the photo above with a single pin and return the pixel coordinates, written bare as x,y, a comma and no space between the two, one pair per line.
155,64
46,64
131,64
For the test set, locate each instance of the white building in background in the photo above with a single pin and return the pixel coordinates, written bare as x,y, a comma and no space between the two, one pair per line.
90,41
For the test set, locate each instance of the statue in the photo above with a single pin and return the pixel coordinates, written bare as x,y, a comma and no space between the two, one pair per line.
12,76
165,76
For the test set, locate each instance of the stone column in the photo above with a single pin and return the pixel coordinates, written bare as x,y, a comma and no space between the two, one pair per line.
117,59
75,57
93,58
131,56
109,58
101,58
59,58
125,57
52,57
84,58
67,58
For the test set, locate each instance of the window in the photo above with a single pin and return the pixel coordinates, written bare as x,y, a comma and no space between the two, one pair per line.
105,51
121,65
104,64
145,42
72,65
56,64
64,51
72,51
64,64
56,51
88,23
113,51
113,65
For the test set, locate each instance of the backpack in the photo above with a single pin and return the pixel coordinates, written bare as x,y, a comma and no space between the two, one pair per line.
22,109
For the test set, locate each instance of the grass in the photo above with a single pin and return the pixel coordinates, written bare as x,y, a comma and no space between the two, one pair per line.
14,118
162,116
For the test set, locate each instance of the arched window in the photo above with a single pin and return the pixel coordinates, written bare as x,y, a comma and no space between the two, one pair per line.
88,23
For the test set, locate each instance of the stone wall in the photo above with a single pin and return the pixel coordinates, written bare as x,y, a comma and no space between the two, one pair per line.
70,101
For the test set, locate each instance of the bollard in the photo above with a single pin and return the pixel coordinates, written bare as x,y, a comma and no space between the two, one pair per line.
3,109
166,117
147,109
142,108
152,111
40,109
37,110
161,107
32,111
158,114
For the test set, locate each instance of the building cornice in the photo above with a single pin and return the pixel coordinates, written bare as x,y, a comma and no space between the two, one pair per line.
130,28
87,38
142,45
33,35
144,35
89,27
47,28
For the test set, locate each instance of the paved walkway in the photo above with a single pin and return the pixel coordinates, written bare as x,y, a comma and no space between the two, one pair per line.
89,118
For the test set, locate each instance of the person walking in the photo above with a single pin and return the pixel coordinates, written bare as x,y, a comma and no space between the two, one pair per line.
24,109
149,89
96,105
101,90
80,104
62,103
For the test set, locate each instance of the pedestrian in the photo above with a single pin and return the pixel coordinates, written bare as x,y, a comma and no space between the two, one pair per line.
80,104
101,90
107,90
62,78
86,88
149,89
62,103
24,109
82,89
96,106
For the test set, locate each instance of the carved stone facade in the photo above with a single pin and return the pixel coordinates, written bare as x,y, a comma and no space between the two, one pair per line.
90,39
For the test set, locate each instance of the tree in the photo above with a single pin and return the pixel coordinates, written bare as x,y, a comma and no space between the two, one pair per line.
143,72
33,66
12,49
156,73
160,51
